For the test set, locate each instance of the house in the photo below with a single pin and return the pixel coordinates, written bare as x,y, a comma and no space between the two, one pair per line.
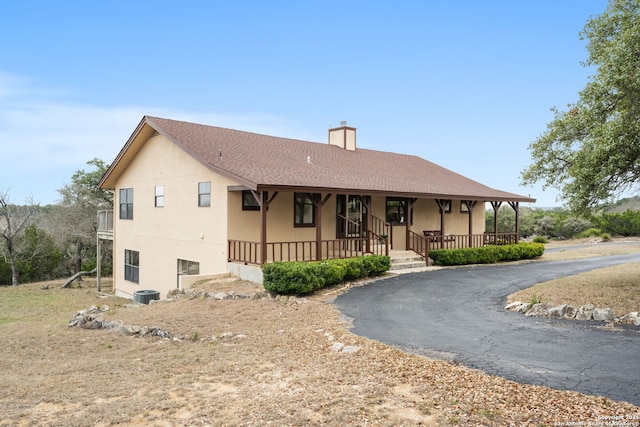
193,200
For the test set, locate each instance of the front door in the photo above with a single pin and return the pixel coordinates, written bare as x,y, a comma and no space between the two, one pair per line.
351,216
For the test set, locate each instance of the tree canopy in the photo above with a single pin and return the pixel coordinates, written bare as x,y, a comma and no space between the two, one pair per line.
591,151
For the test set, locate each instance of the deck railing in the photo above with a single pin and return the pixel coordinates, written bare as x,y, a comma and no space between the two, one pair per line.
418,244
249,252
421,245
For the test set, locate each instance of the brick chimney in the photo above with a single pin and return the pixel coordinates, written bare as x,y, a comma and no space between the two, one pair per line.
343,136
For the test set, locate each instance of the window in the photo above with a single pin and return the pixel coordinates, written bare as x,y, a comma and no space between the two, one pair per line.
126,203
186,267
132,266
466,204
204,194
396,210
304,210
159,196
249,203
445,205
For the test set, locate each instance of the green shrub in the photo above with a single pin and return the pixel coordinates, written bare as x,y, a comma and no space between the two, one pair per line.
305,277
486,254
605,237
540,239
376,265
590,232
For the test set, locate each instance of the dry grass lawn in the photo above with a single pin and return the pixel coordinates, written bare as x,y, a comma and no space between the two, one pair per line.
271,363
616,287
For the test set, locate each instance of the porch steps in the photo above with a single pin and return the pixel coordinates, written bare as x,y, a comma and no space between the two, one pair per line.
406,261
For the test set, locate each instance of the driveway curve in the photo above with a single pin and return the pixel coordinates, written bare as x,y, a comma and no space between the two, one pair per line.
457,314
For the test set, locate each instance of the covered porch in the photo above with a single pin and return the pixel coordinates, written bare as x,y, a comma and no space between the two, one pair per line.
347,225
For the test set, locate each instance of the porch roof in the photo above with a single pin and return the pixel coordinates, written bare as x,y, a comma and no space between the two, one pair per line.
263,162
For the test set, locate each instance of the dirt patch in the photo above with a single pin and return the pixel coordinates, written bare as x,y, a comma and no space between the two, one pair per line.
243,362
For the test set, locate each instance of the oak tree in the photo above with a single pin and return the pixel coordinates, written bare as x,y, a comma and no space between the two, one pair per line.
591,150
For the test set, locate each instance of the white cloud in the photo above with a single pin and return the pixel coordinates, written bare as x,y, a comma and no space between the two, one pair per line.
44,138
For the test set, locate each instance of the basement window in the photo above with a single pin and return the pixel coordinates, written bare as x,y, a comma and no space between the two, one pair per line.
132,266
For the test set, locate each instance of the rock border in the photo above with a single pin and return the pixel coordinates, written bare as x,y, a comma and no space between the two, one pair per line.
566,311
195,293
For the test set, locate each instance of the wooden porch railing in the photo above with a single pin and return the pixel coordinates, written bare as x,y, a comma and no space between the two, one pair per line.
418,244
381,228
421,245
249,252
458,241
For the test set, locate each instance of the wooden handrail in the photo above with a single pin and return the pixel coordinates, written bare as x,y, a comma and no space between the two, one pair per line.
418,244
381,228
249,252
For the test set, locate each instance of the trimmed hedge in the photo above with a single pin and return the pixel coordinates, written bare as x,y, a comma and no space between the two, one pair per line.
305,277
486,254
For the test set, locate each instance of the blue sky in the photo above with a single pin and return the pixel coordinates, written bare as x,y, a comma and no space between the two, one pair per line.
466,84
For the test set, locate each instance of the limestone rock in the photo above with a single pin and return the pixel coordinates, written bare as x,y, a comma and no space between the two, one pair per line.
585,312
629,318
558,312
541,309
513,305
571,312
605,314
337,346
349,349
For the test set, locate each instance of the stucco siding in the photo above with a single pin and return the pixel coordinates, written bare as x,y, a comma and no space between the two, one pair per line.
178,230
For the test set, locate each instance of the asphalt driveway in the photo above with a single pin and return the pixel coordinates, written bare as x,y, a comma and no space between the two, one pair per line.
458,314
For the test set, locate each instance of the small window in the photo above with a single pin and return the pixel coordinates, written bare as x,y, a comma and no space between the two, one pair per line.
396,211
204,194
446,204
132,266
249,202
186,267
159,196
126,203
463,207
304,210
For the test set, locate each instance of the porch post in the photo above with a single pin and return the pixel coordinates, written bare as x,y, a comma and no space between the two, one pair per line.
366,201
99,264
496,208
516,208
407,221
263,227
442,204
470,205
318,204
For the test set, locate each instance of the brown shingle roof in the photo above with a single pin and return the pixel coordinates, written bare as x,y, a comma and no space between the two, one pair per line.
268,162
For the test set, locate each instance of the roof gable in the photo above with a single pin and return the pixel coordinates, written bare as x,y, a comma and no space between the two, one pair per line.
268,162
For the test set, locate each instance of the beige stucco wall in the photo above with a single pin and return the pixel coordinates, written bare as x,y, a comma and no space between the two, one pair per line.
180,229
245,225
